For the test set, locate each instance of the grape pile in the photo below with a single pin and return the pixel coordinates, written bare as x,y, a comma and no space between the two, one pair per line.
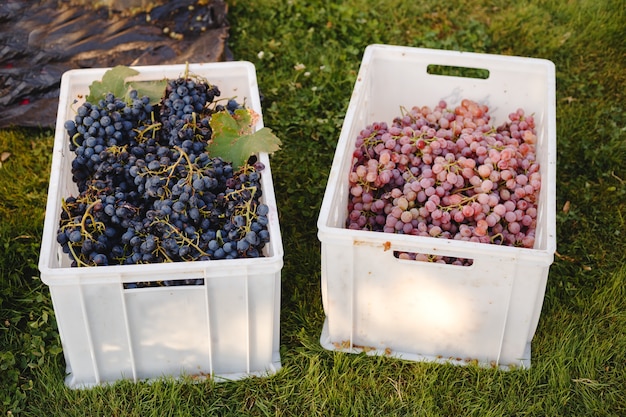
148,191
447,173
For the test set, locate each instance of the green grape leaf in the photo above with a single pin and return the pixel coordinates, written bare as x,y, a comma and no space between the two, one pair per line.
234,141
114,81
153,89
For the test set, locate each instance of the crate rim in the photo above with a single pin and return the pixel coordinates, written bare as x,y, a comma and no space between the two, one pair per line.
454,54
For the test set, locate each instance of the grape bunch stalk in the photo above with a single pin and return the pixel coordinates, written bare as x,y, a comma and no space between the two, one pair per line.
447,173
149,192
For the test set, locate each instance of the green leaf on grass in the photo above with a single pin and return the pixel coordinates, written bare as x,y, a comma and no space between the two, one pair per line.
233,139
114,81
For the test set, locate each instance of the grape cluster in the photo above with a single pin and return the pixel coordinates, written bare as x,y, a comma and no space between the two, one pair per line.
109,124
148,190
186,111
447,173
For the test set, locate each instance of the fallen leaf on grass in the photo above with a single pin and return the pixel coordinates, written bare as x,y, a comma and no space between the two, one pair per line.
564,257
587,381
566,207
616,177
570,259
3,157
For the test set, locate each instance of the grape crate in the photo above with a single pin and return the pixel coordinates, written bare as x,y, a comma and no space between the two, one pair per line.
161,191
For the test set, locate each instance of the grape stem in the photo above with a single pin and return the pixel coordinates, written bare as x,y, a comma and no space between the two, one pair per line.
76,257
180,237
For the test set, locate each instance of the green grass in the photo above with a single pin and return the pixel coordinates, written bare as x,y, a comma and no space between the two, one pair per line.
579,351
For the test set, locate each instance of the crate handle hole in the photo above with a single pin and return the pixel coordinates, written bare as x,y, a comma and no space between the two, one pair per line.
163,283
466,72
425,257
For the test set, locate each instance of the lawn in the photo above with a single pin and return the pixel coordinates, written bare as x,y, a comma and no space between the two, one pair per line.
307,55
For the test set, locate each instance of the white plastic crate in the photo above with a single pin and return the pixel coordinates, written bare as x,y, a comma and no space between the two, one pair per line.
227,328
374,302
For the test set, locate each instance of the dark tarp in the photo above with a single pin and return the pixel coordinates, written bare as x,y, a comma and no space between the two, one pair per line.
41,39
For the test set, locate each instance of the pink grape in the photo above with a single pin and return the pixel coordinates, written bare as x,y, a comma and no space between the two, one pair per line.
514,227
486,186
499,209
435,231
468,211
484,170
396,212
406,217
482,198
510,216
402,203
356,190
